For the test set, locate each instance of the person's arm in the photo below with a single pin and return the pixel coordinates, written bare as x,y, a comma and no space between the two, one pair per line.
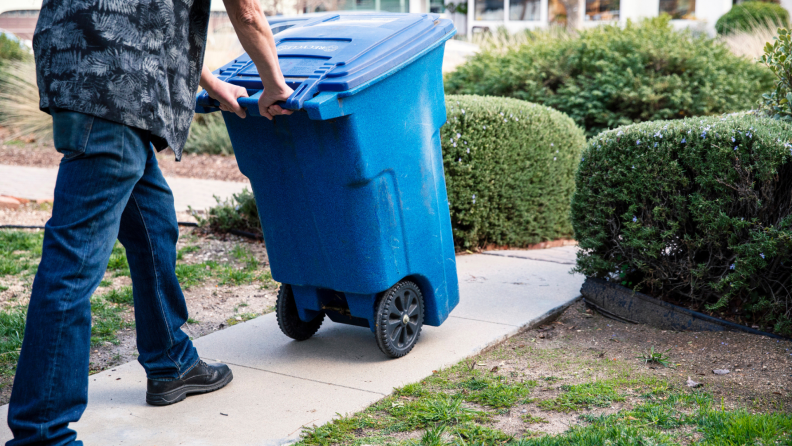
256,38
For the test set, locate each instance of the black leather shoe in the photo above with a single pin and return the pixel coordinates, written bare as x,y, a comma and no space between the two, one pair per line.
203,378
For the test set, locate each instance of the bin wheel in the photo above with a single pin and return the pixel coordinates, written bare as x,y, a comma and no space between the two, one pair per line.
289,320
400,316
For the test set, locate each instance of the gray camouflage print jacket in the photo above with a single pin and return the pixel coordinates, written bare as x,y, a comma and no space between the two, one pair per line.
135,62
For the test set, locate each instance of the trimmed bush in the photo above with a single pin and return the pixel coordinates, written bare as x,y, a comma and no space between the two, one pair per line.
509,168
609,76
697,212
749,15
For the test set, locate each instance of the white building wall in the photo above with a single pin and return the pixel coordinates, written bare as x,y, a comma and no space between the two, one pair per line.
639,9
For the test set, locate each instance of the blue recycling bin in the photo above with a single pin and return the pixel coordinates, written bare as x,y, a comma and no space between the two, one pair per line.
350,187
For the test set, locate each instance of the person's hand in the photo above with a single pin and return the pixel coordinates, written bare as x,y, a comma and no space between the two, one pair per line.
269,97
227,94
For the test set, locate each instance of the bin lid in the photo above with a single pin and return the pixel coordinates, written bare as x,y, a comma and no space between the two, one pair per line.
340,51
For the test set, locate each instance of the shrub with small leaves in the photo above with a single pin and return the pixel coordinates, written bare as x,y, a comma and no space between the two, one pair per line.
239,213
752,14
608,76
509,168
697,212
778,57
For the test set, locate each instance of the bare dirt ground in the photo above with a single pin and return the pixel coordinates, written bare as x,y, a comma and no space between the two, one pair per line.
35,153
582,346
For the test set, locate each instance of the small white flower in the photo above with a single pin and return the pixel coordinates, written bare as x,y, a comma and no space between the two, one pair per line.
463,111
459,135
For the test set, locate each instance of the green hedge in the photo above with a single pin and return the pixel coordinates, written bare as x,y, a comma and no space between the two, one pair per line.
608,76
509,168
697,212
748,15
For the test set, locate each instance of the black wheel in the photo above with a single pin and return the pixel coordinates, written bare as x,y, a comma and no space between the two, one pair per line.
400,315
289,321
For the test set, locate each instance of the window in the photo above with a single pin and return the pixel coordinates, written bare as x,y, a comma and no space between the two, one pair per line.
436,6
556,13
489,9
524,10
602,10
679,9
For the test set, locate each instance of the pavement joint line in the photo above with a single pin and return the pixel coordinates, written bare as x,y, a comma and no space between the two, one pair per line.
526,258
481,320
296,377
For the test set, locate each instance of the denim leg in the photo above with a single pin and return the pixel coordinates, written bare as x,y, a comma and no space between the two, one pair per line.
149,232
102,163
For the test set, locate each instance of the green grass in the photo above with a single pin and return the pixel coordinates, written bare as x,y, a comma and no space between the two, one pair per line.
584,396
244,317
533,419
118,264
195,274
106,321
20,252
105,283
496,392
186,250
656,357
121,295
12,329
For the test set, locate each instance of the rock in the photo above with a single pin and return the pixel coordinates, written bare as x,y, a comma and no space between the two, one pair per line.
9,203
691,383
720,372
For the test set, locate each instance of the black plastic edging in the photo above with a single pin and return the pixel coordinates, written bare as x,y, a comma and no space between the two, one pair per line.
687,311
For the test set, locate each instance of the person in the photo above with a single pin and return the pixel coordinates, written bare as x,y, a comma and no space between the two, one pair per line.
119,78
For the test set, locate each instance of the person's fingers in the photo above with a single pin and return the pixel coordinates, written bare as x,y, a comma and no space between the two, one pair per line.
278,110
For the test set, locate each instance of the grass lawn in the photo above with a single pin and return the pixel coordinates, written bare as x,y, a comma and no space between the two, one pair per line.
587,380
230,278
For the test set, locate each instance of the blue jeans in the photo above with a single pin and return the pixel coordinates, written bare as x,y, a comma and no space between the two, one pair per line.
109,186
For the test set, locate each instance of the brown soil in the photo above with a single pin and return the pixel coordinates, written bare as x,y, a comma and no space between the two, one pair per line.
583,346
30,152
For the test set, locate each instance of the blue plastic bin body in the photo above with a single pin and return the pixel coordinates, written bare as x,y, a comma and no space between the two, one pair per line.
350,188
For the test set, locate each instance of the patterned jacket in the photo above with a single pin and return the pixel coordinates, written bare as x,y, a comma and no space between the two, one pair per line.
135,62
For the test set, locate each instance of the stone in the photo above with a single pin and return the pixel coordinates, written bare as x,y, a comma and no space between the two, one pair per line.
9,203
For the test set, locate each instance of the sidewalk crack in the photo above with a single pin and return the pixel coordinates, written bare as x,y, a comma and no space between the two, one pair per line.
292,376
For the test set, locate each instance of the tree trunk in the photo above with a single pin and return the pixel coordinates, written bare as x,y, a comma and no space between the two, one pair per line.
575,9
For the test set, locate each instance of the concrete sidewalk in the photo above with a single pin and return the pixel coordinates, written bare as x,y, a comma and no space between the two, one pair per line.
281,385
39,183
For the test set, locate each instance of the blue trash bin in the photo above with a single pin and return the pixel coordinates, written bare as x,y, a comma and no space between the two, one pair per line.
350,187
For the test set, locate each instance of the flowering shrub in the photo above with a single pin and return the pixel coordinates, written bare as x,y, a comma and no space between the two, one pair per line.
509,169
609,76
696,212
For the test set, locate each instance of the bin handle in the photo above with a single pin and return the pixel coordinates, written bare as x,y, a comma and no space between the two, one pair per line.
306,90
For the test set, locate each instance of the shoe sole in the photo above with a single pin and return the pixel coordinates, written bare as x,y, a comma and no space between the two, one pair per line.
176,395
